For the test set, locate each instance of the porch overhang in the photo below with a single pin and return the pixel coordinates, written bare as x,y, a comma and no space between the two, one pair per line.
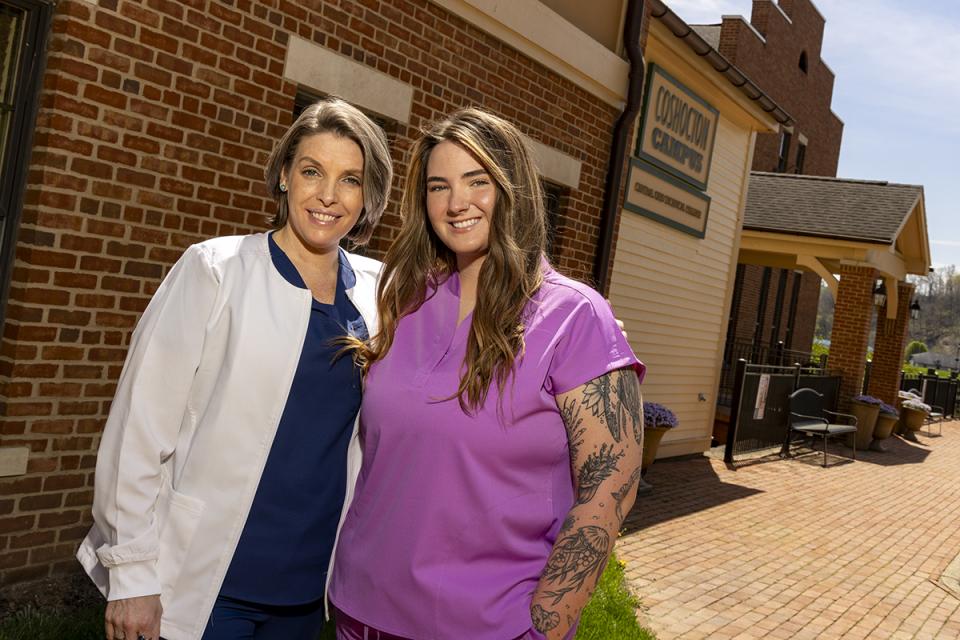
821,240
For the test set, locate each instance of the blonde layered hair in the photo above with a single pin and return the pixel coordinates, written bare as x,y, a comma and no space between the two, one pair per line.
511,273
334,115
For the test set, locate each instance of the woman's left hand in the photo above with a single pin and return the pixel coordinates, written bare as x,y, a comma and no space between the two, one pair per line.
619,322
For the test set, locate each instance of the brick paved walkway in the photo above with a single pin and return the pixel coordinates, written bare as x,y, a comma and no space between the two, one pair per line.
787,549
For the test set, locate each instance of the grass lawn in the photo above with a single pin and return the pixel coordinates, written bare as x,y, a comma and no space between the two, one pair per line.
611,614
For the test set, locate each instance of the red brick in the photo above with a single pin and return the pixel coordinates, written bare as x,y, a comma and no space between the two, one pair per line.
32,539
140,143
73,535
12,559
114,24
71,444
109,59
136,12
87,34
78,499
40,502
41,465
61,482
21,485
106,97
45,555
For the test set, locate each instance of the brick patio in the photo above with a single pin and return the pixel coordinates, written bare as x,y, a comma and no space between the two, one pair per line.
787,549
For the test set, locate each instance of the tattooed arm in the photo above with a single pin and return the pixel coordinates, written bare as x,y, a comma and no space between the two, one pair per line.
604,422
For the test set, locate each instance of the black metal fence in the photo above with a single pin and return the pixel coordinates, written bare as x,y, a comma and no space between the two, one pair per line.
935,390
759,354
759,412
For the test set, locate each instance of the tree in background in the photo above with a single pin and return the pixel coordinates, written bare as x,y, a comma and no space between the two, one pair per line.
938,294
914,348
824,313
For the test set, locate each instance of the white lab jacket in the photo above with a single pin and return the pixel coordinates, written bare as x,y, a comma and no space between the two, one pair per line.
197,406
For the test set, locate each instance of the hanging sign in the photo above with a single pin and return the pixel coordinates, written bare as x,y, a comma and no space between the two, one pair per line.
678,129
658,195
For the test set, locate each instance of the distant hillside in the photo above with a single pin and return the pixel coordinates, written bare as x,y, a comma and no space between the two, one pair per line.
938,325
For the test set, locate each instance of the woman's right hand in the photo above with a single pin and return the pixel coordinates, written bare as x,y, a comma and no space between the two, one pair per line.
131,617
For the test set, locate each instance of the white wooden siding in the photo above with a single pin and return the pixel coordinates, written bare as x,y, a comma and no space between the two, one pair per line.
671,289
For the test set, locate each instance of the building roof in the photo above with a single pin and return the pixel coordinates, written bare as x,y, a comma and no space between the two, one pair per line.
709,32
934,358
692,38
859,210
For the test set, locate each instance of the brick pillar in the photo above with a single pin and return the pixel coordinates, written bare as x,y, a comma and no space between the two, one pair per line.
851,328
888,348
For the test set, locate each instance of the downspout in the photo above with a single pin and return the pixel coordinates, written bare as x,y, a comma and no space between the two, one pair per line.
621,130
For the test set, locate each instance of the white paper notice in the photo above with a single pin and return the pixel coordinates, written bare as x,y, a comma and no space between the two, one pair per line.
761,397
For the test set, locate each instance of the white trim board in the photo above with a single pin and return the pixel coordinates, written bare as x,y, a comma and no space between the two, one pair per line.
540,33
322,69
13,461
555,166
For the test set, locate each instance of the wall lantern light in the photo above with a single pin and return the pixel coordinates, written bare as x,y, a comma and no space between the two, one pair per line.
914,309
880,294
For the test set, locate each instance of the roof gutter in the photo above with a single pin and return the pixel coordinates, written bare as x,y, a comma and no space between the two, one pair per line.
700,46
616,167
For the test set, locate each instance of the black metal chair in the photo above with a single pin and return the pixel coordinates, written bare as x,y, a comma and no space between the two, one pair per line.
807,416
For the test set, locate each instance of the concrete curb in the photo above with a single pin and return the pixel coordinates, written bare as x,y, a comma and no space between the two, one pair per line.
950,579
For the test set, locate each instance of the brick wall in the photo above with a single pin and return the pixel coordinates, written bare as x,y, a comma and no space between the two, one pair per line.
156,119
774,65
888,348
851,327
745,315
805,324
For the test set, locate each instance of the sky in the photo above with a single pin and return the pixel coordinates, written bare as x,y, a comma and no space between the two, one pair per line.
897,90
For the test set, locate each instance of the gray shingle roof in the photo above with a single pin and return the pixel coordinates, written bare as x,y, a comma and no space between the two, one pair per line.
933,358
709,32
861,210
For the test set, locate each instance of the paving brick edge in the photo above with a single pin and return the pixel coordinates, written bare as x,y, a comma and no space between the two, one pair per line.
950,578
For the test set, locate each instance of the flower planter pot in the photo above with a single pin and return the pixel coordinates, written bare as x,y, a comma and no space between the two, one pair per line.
651,442
884,428
866,420
911,420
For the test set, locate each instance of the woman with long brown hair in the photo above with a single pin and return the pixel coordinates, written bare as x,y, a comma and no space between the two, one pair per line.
501,418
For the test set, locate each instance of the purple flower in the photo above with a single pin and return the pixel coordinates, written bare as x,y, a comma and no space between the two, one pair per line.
867,399
657,415
887,409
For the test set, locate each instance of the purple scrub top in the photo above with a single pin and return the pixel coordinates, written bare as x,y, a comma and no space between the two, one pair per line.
455,515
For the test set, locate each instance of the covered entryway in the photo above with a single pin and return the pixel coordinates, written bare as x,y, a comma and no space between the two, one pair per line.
863,238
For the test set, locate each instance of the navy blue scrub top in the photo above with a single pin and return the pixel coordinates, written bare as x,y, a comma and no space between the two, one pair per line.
285,547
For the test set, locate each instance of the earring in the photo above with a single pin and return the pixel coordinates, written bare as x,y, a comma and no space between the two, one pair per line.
283,188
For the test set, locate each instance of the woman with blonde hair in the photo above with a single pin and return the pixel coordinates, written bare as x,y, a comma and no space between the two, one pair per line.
501,418
231,451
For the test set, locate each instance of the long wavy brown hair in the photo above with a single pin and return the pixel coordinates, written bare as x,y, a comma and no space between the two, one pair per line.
418,261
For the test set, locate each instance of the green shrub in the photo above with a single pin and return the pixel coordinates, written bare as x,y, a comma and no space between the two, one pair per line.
612,611
33,624
913,349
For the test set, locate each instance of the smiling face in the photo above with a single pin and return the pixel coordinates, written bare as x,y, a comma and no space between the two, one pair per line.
461,198
324,193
